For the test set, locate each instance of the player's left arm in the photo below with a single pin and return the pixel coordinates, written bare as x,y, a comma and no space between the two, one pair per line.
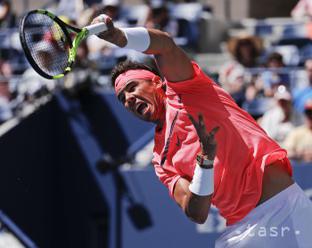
194,206
195,201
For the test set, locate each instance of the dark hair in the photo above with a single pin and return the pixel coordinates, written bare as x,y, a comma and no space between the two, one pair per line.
246,42
130,65
275,56
308,113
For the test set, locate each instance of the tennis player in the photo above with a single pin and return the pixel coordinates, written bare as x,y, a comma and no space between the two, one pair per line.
208,150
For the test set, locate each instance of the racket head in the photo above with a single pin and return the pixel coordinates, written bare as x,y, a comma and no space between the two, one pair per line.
47,43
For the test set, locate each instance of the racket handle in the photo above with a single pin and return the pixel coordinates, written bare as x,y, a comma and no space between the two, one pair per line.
96,28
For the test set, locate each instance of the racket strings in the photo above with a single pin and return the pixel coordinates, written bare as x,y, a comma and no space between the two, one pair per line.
47,43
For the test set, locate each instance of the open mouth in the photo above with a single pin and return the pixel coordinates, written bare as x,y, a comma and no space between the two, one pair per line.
141,108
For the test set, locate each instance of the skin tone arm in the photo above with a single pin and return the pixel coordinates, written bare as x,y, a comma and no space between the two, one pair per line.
194,206
171,59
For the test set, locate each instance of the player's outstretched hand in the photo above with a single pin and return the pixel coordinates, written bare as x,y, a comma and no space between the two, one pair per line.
207,139
112,34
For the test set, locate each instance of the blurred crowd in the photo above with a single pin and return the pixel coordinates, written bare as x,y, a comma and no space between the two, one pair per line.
267,65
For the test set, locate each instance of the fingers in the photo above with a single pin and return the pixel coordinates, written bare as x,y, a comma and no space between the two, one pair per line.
100,18
103,18
200,122
201,119
214,131
201,127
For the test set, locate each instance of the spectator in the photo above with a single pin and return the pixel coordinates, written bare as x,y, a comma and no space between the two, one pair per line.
275,60
5,94
5,68
7,18
273,77
266,83
303,10
300,96
245,51
159,18
299,141
5,109
282,118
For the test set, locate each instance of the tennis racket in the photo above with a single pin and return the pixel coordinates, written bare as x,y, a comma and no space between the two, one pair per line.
50,45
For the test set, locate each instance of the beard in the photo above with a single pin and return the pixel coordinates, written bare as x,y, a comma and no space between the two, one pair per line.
159,107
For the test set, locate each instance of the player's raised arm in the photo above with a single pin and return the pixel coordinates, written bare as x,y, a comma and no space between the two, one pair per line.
171,59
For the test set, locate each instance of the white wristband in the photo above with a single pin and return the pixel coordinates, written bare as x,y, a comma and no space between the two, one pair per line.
137,38
202,183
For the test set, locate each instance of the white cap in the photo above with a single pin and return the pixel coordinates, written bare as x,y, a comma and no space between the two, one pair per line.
282,93
110,2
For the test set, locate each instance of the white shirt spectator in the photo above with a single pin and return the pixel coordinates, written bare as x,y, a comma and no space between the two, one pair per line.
303,10
276,122
273,123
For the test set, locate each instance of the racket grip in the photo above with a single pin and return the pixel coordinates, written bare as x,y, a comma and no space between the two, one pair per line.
96,28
